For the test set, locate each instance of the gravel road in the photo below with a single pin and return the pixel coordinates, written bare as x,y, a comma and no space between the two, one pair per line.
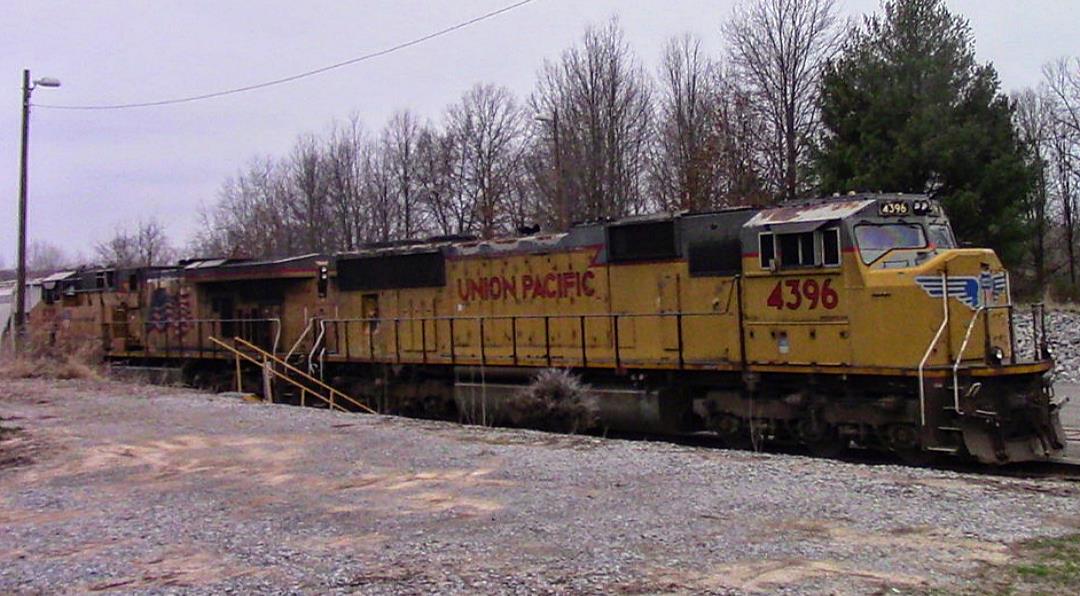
128,488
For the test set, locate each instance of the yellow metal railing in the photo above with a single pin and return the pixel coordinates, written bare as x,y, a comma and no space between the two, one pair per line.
333,396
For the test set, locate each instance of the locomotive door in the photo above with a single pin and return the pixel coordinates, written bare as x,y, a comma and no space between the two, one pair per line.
265,332
369,312
668,286
222,308
120,334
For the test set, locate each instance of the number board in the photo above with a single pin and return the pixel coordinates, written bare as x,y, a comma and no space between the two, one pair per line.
899,208
794,294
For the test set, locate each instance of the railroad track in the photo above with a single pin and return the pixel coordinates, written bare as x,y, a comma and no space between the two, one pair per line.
1062,468
1072,433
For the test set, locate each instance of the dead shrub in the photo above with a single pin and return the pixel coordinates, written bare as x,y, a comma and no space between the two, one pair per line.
556,400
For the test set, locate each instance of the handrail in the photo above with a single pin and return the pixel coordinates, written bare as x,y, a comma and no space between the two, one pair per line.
292,368
252,360
315,344
276,320
930,348
960,356
613,318
607,315
299,339
286,365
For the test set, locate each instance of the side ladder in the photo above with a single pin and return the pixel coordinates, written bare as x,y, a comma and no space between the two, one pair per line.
244,350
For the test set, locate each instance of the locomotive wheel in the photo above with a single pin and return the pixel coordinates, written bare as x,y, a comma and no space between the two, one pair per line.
831,447
820,438
904,441
734,432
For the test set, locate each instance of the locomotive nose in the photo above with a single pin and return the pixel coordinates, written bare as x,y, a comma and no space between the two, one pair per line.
975,277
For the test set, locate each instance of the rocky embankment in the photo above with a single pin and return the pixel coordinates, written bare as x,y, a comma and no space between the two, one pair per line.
1063,329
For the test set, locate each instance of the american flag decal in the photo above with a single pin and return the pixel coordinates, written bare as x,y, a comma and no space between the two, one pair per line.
168,310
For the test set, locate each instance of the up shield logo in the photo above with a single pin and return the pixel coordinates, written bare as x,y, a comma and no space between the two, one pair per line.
968,289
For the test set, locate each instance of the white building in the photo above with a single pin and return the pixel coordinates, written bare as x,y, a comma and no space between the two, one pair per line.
7,305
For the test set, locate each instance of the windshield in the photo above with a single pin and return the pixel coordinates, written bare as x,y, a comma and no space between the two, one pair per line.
941,236
875,240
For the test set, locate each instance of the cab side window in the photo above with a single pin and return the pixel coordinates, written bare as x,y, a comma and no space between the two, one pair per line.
766,250
797,250
820,248
830,247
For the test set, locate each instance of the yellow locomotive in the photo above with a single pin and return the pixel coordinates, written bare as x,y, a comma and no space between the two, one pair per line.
852,319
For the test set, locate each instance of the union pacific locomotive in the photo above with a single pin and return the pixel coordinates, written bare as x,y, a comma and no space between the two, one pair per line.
853,320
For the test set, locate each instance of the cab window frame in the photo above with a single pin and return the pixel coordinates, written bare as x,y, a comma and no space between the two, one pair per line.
835,232
766,264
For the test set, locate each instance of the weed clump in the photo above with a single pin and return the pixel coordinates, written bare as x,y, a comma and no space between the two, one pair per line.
556,400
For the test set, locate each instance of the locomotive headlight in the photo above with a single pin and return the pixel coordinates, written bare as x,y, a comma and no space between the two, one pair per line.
997,356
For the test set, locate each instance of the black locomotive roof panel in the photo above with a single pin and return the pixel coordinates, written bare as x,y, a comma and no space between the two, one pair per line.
391,271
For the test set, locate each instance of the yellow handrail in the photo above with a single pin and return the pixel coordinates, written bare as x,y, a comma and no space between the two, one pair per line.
303,374
280,375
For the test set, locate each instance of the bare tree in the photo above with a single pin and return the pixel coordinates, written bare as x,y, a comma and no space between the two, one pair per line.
145,245
399,147
1063,150
739,154
307,188
379,198
1063,82
439,167
45,257
1063,78
594,126
487,129
1034,115
344,169
779,48
251,216
686,171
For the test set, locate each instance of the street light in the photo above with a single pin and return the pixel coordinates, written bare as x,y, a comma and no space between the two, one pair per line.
20,277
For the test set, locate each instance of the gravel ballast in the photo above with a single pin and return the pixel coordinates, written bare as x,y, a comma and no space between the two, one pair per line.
147,489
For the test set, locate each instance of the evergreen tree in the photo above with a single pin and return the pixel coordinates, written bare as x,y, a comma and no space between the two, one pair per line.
906,107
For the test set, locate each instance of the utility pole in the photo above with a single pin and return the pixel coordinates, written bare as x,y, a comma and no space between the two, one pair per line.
18,328
20,277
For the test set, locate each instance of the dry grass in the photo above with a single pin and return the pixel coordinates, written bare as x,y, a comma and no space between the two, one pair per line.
42,361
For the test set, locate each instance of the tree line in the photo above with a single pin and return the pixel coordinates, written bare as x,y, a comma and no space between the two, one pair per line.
601,136
801,103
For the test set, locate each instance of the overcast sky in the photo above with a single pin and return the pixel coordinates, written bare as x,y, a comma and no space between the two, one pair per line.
92,171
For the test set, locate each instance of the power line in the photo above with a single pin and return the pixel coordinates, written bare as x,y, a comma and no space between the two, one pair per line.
295,77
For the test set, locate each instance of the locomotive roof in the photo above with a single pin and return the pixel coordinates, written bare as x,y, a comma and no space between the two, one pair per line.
822,210
810,213
592,233
211,270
